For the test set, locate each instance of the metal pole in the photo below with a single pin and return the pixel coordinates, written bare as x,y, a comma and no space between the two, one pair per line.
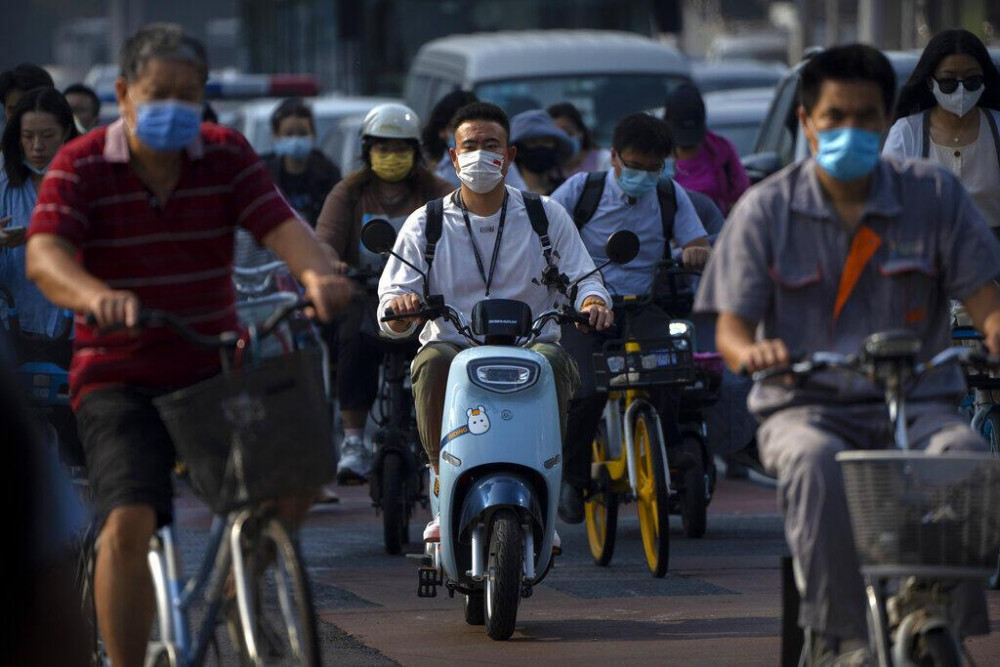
870,29
831,16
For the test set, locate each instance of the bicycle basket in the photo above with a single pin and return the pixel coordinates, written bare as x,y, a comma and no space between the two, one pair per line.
284,447
919,513
657,362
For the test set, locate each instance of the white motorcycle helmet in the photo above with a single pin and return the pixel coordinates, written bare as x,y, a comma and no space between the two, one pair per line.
391,121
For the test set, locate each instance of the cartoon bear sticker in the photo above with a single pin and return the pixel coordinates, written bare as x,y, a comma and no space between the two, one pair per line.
479,421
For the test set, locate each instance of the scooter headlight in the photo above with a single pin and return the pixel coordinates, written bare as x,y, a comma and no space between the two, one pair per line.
504,376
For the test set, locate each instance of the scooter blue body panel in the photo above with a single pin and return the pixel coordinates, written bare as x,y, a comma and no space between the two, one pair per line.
515,434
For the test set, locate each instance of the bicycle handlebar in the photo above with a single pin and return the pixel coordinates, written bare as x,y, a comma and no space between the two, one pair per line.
804,366
228,339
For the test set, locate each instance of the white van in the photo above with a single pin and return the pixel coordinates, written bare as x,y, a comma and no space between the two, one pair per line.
606,74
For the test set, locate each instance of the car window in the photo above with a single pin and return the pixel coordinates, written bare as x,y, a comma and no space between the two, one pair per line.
741,134
603,99
773,132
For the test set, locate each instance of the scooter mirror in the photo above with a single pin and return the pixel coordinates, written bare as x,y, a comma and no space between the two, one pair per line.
622,247
378,236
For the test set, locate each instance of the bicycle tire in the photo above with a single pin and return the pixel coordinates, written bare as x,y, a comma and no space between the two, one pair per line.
652,496
600,510
938,648
990,430
694,501
85,569
271,554
393,503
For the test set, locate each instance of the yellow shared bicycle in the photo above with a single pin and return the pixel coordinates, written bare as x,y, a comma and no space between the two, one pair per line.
629,459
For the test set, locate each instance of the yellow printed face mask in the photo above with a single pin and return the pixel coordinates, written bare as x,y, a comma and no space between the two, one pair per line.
392,167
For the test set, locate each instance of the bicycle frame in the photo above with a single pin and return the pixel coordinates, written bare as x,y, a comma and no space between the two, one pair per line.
177,594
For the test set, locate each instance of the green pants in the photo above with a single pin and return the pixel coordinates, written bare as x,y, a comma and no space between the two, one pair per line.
429,376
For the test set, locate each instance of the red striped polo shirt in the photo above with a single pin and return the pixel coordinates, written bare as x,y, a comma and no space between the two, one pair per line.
175,255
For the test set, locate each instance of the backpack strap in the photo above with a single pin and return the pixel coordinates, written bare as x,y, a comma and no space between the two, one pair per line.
667,194
925,148
589,199
432,230
991,117
539,222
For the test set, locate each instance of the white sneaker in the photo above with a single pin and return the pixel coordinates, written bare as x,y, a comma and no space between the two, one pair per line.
432,533
355,461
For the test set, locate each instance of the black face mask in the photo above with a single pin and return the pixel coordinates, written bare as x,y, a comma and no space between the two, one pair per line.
538,159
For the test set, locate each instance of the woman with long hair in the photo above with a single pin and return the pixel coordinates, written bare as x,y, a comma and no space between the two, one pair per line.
392,184
949,112
40,123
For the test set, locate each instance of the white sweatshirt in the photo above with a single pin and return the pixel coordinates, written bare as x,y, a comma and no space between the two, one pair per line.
456,275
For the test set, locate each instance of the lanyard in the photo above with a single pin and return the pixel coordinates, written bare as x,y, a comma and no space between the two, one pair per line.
487,280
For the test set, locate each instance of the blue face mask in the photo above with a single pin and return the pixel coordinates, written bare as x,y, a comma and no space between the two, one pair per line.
167,125
848,153
297,148
636,183
35,170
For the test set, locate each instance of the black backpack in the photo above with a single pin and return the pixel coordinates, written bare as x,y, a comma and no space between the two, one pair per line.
586,206
536,214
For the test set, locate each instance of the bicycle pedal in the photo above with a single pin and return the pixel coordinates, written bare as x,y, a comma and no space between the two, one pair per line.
428,580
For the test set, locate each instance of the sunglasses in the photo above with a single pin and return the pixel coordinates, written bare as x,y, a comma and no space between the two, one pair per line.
971,83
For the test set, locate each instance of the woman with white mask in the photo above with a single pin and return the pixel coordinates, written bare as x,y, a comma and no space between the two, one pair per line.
949,112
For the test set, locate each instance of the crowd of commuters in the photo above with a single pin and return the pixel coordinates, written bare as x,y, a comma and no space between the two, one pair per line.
99,206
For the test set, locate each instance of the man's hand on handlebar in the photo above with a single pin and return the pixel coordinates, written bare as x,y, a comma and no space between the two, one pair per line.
764,355
601,317
115,308
328,293
401,305
695,257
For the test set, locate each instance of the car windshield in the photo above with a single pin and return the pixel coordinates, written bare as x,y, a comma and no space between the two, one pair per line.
603,99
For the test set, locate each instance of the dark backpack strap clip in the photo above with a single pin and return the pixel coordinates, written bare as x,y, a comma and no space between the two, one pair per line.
539,222
589,199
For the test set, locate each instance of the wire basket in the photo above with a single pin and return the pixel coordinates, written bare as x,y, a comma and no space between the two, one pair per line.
261,431
923,514
658,362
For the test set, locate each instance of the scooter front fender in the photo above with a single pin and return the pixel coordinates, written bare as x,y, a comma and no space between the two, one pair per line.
496,491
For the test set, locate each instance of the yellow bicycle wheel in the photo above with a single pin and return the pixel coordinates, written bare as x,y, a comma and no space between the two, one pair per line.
653,498
601,507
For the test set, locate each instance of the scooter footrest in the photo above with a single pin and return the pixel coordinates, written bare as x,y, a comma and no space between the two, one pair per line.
428,581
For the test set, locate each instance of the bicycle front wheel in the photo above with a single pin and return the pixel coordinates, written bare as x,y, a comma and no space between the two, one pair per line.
652,491
284,622
601,508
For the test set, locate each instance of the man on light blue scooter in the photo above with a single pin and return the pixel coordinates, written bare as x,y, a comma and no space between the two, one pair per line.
487,248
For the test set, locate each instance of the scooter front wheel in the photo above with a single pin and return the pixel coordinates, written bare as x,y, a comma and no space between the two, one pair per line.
652,491
504,569
601,507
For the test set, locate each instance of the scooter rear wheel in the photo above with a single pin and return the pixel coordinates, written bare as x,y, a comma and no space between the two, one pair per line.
475,611
601,507
653,495
504,569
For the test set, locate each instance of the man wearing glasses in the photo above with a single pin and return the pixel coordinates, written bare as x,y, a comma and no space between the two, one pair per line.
630,196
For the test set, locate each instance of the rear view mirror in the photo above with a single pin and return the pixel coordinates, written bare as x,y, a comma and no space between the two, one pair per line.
378,236
622,247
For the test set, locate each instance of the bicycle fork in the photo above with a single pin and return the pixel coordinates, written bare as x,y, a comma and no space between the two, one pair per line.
636,405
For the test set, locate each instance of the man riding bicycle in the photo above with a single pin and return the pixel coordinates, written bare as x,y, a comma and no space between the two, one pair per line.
630,197
142,214
816,258
490,245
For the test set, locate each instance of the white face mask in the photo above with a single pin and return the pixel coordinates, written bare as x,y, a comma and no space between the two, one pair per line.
480,170
959,102
35,170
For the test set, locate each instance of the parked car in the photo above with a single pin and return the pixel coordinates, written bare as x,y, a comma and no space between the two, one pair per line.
606,74
762,46
328,110
736,74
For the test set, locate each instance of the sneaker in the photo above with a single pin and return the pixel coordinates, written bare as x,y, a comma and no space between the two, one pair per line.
556,543
432,533
355,461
